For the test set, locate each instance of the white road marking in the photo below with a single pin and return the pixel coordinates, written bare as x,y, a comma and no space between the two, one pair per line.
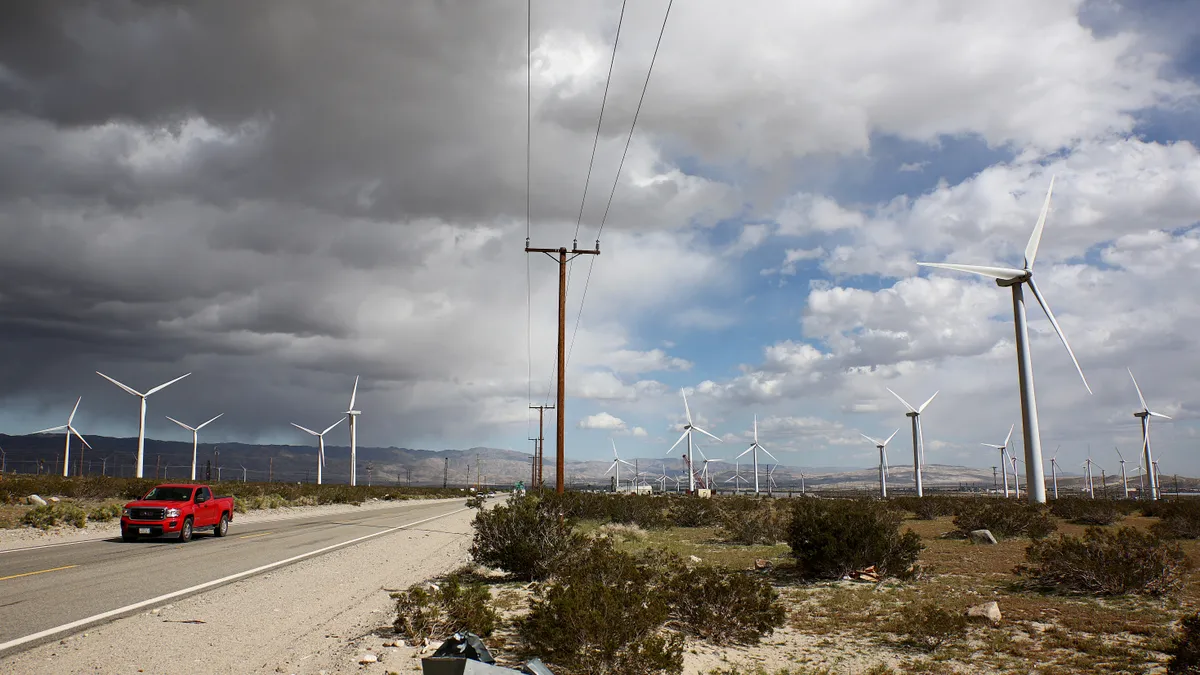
208,584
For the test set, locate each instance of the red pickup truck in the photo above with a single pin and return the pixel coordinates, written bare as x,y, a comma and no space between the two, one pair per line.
176,509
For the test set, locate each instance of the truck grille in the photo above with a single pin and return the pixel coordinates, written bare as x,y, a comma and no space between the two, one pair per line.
147,514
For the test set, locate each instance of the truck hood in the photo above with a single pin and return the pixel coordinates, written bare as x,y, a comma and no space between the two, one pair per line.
155,504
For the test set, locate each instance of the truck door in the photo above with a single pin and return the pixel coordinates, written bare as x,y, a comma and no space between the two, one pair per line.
204,508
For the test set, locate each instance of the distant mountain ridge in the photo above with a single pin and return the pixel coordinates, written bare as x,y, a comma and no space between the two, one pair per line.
393,465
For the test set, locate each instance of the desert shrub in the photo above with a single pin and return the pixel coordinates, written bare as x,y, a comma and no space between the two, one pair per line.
1088,511
436,610
692,512
526,537
105,513
928,508
477,501
723,606
929,626
1177,519
621,532
1185,649
1004,518
830,539
45,517
1104,562
642,510
765,522
600,616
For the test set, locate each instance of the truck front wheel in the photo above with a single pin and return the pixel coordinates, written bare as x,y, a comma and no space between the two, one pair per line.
128,534
222,527
185,533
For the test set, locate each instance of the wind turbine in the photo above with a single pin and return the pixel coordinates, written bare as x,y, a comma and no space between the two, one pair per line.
243,472
771,478
320,444
1003,452
195,433
1124,480
1016,278
687,433
883,463
70,430
617,462
1144,415
1016,481
352,415
755,447
918,438
1054,470
1088,476
142,416
3,461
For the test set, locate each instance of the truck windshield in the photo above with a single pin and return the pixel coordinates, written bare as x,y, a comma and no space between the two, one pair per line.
169,494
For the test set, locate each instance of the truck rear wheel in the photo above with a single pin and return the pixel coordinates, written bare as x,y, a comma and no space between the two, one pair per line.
185,533
222,527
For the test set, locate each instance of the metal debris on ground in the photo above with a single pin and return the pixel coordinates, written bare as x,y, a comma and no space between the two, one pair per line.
465,654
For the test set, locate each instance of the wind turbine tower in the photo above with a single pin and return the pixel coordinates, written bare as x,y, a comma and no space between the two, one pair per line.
918,438
141,446
1054,470
1124,480
1144,415
195,433
320,444
352,416
883,463
1003,454
70,430
687,433
1016,278
617,462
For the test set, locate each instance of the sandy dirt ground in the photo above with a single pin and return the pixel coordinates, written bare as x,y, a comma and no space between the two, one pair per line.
317,616
22,537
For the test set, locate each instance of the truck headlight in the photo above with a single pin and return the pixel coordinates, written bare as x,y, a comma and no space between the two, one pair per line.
172,513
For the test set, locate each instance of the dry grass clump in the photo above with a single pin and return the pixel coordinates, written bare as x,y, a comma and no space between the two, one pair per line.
1104,562
620,532
434,610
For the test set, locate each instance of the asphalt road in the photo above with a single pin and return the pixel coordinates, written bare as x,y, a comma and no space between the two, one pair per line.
44,589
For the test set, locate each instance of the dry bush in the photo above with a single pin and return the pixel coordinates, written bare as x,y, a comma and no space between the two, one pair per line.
1103,562
1178,519
1004,518
621,532
526,537
602,616
1185,649
105,513
434,611
830,539
762,522
928,626
46,517
1088,511
723,606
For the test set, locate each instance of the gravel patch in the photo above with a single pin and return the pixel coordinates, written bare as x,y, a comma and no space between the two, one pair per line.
317,616
25,537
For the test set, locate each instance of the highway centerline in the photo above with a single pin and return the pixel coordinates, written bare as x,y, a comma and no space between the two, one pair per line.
29,574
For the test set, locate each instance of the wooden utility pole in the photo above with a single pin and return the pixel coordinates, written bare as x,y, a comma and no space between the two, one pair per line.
540,450
564,256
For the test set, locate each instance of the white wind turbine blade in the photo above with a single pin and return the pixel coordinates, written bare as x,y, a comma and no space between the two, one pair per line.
686,410
71,417
353,394
1009,436
709,435
1055,453
1119,454
926,403
889,438
209,422
1035,239
131,391
1154,414
81,438
1057,329
180,423
906,405
614,446
1141,398
167,384
624,462
611,467
685,433
305,430
744,452
57,428
1005,273
756,429
768,453
992,446
873,441
340,420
